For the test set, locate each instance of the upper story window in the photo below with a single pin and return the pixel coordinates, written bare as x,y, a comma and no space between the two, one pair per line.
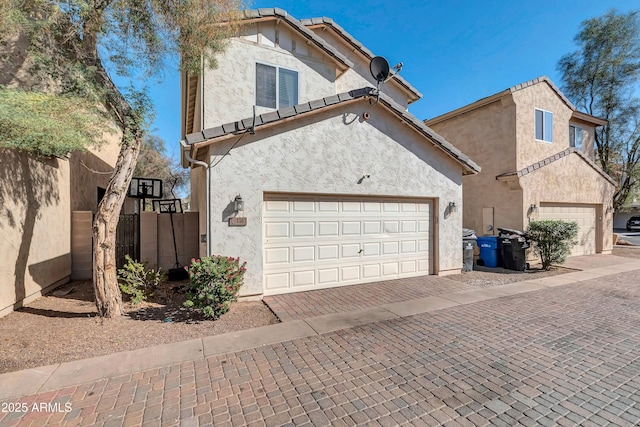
544,125
575,137
276,87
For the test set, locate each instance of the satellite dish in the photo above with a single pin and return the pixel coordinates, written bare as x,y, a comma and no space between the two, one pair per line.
379,68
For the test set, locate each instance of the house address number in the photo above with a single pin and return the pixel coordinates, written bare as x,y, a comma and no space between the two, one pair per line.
238,221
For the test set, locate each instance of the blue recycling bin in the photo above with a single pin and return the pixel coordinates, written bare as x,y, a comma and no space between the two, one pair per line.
488,250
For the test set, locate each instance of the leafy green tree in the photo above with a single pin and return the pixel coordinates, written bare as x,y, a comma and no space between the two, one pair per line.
601,78
75,47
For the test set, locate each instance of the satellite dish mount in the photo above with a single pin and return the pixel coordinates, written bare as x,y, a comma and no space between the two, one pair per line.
381,72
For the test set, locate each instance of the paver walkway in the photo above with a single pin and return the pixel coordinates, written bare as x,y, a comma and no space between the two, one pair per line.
560,354
302,305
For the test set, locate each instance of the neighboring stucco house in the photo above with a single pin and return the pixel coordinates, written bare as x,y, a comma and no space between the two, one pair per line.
339,186
537,154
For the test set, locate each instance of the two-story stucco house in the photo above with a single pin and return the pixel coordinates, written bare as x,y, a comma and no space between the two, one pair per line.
537,154
339,186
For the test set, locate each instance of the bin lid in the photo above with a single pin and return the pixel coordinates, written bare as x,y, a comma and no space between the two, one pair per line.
467,232
510,231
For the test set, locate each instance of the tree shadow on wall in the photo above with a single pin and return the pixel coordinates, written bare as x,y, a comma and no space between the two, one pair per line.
28,186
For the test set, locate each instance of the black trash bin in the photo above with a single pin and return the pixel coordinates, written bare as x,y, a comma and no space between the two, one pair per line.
514,244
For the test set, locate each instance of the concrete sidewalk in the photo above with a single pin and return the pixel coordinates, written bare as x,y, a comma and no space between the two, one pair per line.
55,377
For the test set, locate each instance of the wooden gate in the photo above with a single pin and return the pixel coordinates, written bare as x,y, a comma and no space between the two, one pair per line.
127,238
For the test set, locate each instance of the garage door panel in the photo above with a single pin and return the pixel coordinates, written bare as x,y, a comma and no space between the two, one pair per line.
328,229
351,273
351,207
584,216
371,249
276,206
304,229
304,278
390,248
323,242
390,207
371,227
391,227
277,229
371,207
328,252
304,253
390,269
409,227
351,228
276,281
408,247
328,276
351,250
408,267
304,206
328,206
276,255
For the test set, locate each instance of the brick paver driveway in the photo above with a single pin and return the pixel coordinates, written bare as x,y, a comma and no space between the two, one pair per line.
567,355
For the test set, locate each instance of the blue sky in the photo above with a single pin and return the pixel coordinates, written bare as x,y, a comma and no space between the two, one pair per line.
454,51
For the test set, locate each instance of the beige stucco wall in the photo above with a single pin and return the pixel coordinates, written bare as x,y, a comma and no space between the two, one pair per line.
37,198
229,90
186,232
35,226
486,135
570,180
327,153
92,169
541,96
360,75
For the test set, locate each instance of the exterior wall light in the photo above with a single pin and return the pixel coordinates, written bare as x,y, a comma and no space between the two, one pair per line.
533,208
238,204
452,207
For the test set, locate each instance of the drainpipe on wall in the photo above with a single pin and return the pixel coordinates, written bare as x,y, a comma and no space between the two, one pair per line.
208,180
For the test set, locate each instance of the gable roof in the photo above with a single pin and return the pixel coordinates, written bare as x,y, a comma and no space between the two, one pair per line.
356,45
283,115
544,162
277,13
489,99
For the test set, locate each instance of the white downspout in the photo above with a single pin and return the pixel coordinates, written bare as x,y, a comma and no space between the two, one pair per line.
207,166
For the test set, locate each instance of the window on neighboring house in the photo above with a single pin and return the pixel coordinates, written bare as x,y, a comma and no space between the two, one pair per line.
575,137
544,125
276,87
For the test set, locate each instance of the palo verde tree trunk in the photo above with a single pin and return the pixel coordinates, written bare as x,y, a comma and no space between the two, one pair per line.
105,282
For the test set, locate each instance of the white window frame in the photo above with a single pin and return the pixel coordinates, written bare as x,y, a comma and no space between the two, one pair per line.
543,125
278,68
575,130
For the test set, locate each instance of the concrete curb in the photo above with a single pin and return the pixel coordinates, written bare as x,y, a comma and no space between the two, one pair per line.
53,377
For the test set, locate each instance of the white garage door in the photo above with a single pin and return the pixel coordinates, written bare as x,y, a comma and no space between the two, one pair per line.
317,242
585,216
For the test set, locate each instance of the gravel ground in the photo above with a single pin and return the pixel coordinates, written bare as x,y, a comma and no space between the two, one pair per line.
484,277
55,329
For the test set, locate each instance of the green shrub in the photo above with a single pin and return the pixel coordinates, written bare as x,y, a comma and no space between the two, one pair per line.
553,240
214,283
138,281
